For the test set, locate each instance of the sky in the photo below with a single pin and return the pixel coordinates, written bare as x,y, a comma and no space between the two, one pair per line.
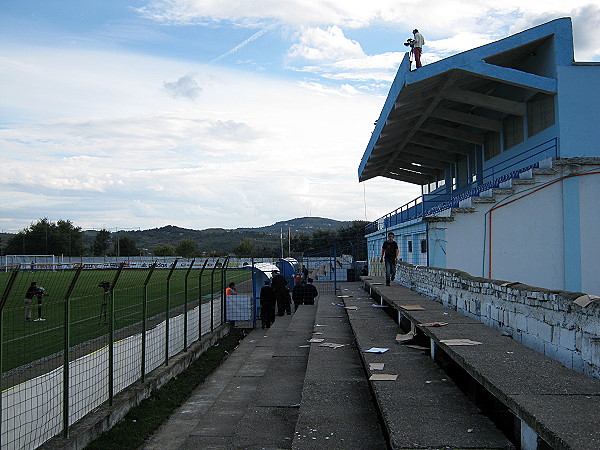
138,114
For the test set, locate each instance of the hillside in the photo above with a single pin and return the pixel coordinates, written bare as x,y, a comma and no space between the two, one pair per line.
224,240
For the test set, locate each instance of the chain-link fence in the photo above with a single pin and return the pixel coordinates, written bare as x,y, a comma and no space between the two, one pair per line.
74,337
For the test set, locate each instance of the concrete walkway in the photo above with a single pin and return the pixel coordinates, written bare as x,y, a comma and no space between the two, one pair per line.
277,390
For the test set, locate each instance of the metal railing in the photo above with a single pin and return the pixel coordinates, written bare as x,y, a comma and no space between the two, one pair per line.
472,186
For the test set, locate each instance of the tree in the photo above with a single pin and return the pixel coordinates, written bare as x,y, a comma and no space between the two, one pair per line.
186,248
127,247
47,238
164,250
246,247
101,243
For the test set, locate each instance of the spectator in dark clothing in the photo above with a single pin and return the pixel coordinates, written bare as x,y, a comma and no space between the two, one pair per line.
298,294
389,254
279,285
267,305
310,293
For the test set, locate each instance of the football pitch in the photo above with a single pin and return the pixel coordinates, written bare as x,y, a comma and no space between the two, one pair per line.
79,309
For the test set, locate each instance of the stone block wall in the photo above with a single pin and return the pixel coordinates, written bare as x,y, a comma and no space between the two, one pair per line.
545,320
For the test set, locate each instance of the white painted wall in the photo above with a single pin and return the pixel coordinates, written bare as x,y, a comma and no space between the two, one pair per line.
589,195
527,239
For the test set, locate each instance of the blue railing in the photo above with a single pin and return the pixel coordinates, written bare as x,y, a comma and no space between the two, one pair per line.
489,178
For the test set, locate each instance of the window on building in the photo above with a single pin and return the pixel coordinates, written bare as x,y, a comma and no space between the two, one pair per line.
512,129
409,246
423,246
540,113
492,144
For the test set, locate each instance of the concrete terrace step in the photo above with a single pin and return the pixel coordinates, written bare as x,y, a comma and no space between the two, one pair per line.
337,410
252,400
552,402
423,408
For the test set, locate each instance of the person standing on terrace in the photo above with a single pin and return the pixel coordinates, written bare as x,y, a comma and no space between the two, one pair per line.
389,253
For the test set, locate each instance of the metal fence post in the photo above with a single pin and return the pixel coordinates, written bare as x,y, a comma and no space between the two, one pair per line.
334,268
111,337
212,289
223,288
145,319
67,338
185,307
200,299
253,303
5,294
167,309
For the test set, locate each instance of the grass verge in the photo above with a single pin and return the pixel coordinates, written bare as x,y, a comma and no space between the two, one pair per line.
144,419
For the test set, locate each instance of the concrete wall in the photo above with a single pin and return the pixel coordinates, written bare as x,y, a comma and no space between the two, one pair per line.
577,113
545,320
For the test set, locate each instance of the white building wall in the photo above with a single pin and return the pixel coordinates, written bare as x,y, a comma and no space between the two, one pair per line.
527,239
465,238
589,195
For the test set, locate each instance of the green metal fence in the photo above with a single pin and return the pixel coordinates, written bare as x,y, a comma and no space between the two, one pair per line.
79,335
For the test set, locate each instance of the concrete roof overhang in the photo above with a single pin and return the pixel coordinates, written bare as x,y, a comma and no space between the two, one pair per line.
433,115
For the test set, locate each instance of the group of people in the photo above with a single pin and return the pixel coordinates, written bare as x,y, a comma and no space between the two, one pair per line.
275,294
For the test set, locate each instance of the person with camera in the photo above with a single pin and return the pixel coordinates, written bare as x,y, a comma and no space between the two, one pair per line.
417,47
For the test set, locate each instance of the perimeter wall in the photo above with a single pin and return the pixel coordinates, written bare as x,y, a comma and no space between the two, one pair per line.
547,321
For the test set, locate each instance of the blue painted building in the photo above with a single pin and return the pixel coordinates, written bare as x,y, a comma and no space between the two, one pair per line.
504,140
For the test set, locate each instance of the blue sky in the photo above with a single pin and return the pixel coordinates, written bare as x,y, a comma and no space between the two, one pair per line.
139,114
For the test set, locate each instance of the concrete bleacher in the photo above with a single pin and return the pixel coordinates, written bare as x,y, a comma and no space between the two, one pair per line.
554,407
277,390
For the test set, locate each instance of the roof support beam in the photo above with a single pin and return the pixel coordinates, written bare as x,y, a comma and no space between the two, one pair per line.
409,177
428,154
454,133
438,144
515,77
467,119
485,101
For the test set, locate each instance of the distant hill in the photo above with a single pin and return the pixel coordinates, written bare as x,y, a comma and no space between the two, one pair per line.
301,225
224,240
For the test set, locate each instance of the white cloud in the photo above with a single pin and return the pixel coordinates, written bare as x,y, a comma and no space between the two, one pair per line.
249,150
184,87
327,45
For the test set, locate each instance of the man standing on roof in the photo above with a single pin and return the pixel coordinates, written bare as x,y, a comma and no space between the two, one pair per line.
389,253
417,47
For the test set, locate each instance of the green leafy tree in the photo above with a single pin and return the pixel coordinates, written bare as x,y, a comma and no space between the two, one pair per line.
47,238
186,248
127,247
101,243
246,247
164,250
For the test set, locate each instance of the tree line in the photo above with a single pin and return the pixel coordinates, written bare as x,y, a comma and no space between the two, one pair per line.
64,238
